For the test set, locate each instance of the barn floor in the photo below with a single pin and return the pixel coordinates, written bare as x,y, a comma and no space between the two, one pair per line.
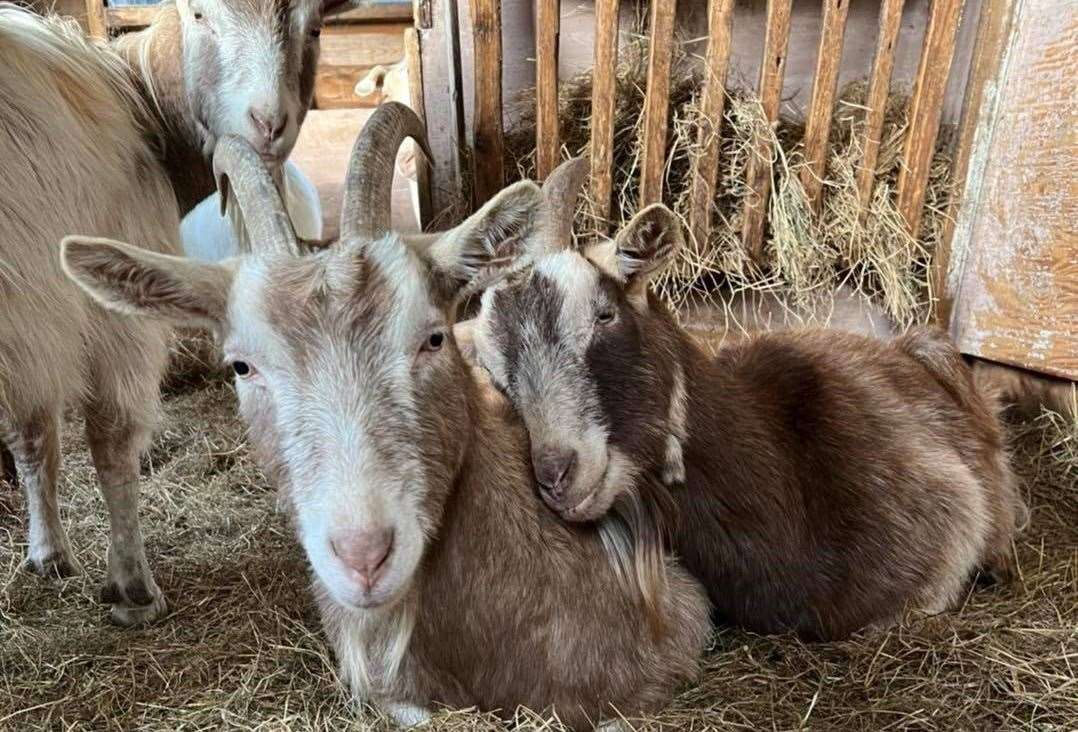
241,646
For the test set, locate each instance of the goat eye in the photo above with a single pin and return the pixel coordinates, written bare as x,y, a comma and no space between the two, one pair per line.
316,32
434,341
198,16
242,369
605,317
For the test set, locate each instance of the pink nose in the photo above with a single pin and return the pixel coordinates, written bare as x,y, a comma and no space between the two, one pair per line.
366,553
270,126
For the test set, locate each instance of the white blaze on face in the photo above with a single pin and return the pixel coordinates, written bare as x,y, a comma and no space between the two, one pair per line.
332,401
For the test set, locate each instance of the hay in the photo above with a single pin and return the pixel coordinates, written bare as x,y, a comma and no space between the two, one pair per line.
807,256
241,647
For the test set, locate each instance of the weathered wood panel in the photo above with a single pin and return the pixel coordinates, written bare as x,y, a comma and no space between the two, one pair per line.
348,53
547,31
602,105
415,91
657,100
879,86
824,85
1014,262
488,139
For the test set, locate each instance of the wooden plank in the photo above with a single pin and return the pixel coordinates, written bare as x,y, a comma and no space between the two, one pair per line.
926,106
879,88
547,31
772,70
488,140
994,28
348,53
373,12
821,108
96,25
602,106
1017,297
415,90
720,41
657,100
443,108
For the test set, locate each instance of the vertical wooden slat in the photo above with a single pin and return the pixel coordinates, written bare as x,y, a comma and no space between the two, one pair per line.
772,70
720,29
602,105
993,31
443,107
95,19
488,143
879,87
657,100
547,30
415,90
926,107
824,85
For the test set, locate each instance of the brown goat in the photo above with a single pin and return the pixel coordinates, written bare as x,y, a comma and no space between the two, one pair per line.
825,481
441,576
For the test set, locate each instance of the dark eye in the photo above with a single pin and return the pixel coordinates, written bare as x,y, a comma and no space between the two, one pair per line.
605,316
198,16
434,341
242,369
316,32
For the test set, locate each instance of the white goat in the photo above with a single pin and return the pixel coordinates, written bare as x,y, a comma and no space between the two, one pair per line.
115,142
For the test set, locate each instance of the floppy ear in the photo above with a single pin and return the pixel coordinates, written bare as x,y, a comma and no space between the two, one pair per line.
645,246
492,238
132,280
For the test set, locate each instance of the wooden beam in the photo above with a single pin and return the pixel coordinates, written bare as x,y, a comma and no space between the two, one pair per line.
96,25
879,88
415,91
994,29
657,100
439,48
488,139
926,107
547,31
709,135
772,70
374,13
602,106
821,108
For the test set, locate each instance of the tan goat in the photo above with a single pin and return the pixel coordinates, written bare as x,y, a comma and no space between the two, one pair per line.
441,577
115,142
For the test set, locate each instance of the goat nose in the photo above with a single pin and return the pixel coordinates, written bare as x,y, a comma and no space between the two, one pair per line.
554,469
269,125
365,553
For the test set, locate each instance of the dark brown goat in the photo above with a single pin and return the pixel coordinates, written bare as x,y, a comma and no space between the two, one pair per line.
825,481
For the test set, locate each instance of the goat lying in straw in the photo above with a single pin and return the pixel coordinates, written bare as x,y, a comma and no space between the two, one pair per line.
825,481
441,577
107,141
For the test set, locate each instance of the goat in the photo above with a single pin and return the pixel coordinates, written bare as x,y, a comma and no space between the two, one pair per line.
208,235
825,480
440,575
115,141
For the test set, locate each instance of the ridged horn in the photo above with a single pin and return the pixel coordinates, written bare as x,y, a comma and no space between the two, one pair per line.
365,208
238,167
561,190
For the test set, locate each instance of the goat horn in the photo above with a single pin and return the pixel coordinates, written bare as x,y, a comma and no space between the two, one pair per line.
561,190
236,165
367,196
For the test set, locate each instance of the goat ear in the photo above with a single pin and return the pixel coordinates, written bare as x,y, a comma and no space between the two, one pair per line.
492,238
132,280
645,246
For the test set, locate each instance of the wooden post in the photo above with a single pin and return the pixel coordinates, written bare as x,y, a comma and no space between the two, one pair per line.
824,85
772,70
879,88
720,36
443,107
488,143
994,29
602,106
926,107
547,31
95,19
415,90
657,100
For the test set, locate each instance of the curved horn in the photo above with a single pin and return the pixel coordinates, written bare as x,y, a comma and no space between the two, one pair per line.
236,165
560,193
367,189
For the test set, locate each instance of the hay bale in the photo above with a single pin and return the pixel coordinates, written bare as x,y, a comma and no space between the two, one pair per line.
807,256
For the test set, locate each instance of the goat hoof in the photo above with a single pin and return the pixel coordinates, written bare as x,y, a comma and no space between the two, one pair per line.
133,604
53,565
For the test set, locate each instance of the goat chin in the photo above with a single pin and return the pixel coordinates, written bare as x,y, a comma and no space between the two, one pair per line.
210,237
